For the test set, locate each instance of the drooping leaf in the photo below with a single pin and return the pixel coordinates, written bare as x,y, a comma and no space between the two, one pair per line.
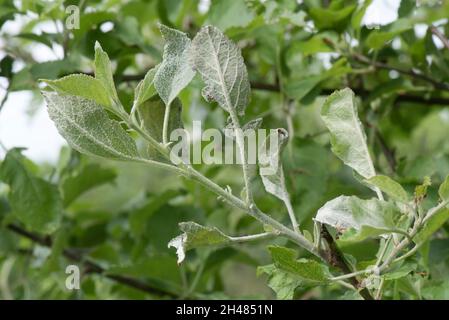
363,218
221,66
175,72
145,89
82,85
390,187
87,128
270,165
348,139
310,271
34,201
90,176
195,236
103,72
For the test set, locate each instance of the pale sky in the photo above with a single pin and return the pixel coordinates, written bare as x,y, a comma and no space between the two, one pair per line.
38,133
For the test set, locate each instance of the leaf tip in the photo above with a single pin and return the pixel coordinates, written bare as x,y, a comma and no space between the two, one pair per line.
98,47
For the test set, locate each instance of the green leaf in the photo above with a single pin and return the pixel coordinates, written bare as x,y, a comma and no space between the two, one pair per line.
443,191
89,21
432,226
282,282
90,176
421,190
437,291
151,114
400,272
225,14
34,201
366,218
59,243
348,139
103,72
145,89
270,165
333,19
309,271
356,20
220,64
158,266
83,86
390,187
195,236
140,217
52,69
300,88
378,38
44,38
87,128
6,66
175,72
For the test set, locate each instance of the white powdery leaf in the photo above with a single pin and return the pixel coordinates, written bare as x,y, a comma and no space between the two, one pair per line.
348,139
179,244
175,72
87,128
351,212
220,63
195,235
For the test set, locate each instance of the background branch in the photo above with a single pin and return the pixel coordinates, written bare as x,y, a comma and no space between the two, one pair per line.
73,255
262,86
411,73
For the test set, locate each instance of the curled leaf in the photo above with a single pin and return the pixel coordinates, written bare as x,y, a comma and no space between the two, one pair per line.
196,235
270,165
